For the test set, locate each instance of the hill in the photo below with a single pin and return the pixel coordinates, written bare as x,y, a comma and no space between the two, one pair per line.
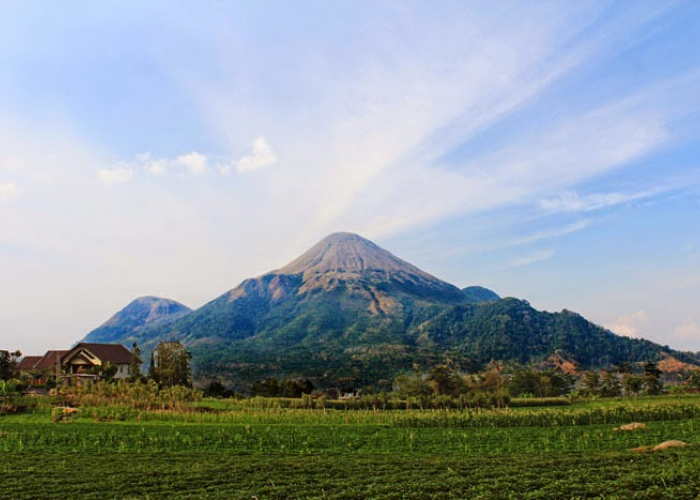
348,309
141,313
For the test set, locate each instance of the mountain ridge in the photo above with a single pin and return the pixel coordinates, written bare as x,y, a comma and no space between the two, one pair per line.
348,308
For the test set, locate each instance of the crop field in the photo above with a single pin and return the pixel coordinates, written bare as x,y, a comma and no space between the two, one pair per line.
217,451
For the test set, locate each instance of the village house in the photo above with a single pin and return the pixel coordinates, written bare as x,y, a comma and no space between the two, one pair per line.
89,360
84,361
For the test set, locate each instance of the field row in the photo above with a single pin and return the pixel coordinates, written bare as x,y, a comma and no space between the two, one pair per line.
323,439
101,474
520,417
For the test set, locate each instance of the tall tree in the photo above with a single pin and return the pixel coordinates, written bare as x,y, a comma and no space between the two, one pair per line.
8,364
652,379
136,362
171,364
590,383
610,385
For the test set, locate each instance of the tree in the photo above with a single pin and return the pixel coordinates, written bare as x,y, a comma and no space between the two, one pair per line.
443,381
152,366
270,387
525,382
135,364
693,381
610,386
171,364
107,371
539,383
8,364
407,385
590,383
632,383
652,379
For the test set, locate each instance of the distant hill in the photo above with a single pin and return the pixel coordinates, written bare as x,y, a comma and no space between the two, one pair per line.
476,294
347,308
137,315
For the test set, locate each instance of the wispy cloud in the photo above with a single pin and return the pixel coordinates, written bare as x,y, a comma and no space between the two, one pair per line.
634,325
261,156
687,331
10,191
555,159
115,175
446,115
571,201
531,258
549,234
191,164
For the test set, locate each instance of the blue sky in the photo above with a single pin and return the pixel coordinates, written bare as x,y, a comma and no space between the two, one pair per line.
546,150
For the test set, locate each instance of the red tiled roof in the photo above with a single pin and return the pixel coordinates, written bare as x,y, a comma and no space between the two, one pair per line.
112,353
28,362
49,359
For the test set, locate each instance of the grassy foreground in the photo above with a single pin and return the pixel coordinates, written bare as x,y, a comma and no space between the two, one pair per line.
571,452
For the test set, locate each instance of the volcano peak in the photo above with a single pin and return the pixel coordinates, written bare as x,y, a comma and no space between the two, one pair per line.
346,253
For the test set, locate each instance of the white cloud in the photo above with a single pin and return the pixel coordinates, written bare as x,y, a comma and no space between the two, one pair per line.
532,258
551,158
10,191
633,325
688,331
550,234
194,162
261,156
115,175
154,167
572,202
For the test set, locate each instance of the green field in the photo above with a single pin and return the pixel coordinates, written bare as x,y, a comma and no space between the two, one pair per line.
221,449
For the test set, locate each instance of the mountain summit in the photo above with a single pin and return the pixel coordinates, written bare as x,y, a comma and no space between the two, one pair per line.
347,253
137,315
347,308
341,259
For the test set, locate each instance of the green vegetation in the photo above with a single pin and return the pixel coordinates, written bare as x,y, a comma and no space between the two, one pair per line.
170,364
118,445
347,309
8,364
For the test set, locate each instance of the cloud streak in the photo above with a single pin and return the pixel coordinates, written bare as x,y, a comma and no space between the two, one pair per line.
559,157
532,258
445,119
572,202
10,191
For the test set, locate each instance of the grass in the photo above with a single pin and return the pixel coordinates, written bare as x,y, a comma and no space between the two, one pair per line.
216,475
275,453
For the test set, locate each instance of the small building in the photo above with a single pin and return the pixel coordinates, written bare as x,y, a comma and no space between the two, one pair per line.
88,361
42,368
49,366
28,363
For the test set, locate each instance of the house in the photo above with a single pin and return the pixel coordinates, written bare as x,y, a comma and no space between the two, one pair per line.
50,364
83,362
42,368
88,361
27,363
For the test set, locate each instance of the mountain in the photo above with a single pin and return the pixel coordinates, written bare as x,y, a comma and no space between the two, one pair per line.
476,294
344,291
349,309
141,313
